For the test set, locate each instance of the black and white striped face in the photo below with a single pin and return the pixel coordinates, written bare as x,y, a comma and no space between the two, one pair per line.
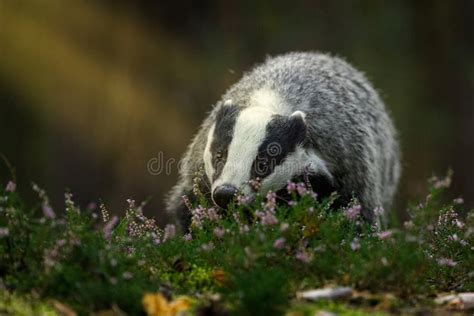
252,143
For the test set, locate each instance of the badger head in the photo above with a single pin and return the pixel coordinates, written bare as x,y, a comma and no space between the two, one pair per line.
256,143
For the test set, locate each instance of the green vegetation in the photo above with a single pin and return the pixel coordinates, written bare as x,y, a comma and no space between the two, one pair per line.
251,260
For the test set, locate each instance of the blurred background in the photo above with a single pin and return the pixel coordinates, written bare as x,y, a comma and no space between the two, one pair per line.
92,91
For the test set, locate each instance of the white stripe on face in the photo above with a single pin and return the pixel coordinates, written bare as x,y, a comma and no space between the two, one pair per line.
207,154
268,98
249,132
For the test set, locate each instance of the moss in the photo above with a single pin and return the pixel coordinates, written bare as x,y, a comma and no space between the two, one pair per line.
15,305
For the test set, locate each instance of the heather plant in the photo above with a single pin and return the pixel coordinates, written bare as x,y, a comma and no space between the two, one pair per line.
249,259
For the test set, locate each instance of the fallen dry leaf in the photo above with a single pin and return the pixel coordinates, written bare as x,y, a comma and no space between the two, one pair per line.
157,305
219,276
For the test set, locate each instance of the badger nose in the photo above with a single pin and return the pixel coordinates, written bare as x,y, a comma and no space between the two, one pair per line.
224,194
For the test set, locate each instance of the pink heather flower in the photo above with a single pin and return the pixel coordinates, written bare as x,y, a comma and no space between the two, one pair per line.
212,214
291,187
170,232
385,234
131,203
11,186
292,203
199,210
353,212
269,207
219,232
355,244
270,204
279,243
255,184
61,242
104,212
379,211
301,189
303,257
269,219
187,202
242,199
48,211
4,231
236,217
459,224
271,197
188,237
447,262
69,202
109,227
198,215
458,201
450,217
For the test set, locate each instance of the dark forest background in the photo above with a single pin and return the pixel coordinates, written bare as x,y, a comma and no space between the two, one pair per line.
90,91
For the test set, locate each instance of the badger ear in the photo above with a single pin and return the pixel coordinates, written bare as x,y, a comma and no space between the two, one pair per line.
226,109
298,128
299,115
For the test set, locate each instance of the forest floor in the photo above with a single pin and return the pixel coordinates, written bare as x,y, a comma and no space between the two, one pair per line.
265,257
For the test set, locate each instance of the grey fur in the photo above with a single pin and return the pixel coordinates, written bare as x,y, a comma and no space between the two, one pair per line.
347,124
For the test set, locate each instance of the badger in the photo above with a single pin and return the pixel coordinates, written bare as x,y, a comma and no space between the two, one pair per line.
298,114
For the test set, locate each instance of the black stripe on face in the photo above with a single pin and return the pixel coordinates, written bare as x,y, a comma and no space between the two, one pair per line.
283,134
223,132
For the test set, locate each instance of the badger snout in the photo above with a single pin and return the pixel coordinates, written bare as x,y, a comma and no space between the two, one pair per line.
224,194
